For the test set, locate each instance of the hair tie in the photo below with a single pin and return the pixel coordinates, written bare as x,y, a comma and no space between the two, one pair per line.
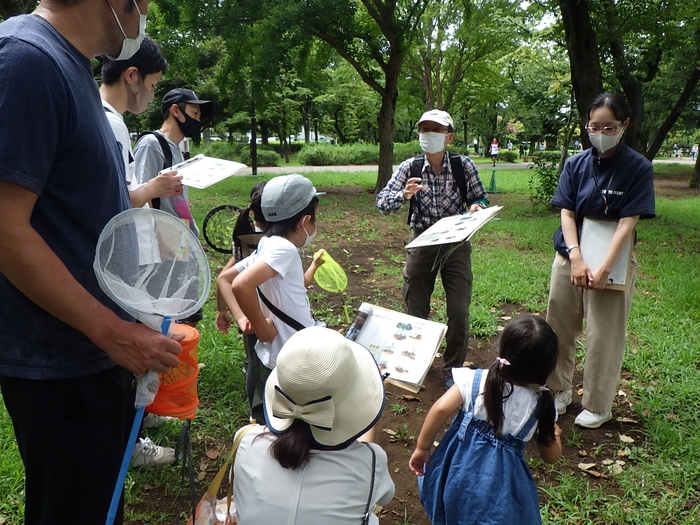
543,388
502,361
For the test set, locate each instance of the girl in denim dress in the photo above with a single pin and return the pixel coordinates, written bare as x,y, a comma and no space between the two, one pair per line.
477,474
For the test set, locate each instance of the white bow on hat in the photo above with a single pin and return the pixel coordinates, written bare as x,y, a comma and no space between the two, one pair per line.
319,413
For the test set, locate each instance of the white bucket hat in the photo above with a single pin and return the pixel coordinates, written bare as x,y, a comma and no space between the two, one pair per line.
327,381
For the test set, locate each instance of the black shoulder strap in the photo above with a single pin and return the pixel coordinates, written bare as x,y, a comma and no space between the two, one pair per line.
163,145
167,154
279,313
365,519
416,168
458,175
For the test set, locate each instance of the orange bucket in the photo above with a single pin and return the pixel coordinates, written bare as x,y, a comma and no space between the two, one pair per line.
177,395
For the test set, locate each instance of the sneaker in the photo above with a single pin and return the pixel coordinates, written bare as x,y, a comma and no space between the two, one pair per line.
588,419
155,421
562,399
148,454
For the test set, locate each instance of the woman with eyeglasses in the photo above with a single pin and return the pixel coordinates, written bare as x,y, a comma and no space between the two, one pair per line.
608,187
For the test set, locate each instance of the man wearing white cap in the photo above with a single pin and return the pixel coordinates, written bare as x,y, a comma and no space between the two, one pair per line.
437,185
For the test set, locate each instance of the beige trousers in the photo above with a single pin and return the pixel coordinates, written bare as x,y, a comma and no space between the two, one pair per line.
605,313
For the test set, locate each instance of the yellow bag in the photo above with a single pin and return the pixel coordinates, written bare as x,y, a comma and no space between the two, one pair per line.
213,511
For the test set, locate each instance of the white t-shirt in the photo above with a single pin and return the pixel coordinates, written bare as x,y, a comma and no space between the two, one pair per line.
285,290
516,409
331,489
148,245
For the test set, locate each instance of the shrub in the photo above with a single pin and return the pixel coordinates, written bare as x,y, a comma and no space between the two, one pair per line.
507,156
222,150
318,155
266,157
544,180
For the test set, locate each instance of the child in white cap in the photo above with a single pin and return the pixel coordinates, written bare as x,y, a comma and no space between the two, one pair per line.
266,292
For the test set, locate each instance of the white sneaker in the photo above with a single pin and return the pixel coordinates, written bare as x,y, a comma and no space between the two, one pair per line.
562,399
148,454
588,419
155,421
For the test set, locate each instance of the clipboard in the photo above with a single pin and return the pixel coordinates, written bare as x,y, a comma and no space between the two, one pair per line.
201,172
596,237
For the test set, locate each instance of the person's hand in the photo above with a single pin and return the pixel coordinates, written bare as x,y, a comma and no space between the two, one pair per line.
413,186
166,184
268,332
474,208
139,348
599,279
580,273
318,259
245,325
418,461
223,321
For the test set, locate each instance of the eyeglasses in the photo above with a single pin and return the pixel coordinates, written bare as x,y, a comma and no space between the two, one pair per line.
608,130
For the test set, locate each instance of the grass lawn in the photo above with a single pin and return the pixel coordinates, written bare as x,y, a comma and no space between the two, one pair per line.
659,478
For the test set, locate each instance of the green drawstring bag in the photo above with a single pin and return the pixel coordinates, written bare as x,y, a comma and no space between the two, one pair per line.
331,277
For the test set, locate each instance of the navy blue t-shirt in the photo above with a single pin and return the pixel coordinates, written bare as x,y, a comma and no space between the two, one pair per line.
55,141
626,180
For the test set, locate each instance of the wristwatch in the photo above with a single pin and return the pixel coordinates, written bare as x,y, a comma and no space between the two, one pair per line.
572,247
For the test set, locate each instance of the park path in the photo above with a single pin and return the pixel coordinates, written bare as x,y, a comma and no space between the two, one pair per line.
483,168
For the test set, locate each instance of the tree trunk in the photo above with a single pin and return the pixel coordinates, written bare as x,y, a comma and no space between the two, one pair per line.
678,108
695,177
385,122
582,47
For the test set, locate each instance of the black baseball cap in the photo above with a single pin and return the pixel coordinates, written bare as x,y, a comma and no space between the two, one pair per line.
186,96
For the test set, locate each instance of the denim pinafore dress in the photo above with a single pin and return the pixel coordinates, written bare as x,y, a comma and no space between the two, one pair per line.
477,477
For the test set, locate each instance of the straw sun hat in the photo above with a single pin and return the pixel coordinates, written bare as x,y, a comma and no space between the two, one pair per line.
330,382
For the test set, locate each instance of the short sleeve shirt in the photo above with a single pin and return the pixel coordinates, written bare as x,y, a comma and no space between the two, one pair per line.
285,290
625,181
57,143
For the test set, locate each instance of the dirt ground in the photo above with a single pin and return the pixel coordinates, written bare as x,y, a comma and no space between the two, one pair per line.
604,446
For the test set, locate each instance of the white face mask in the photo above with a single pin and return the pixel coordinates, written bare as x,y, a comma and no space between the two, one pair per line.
604,143
130,45
432,142
309,238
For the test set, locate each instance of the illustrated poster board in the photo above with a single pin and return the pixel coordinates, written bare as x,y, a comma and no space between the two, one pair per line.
455,229
403,345
596,237
201,172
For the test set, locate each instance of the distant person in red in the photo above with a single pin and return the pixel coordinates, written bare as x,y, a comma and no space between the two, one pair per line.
493,149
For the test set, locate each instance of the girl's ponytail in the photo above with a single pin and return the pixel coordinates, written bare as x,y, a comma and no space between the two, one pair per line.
545,422
494,395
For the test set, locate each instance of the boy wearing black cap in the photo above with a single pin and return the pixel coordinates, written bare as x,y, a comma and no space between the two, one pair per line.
182,112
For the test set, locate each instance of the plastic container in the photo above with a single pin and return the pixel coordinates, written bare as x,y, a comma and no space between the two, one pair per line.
177,395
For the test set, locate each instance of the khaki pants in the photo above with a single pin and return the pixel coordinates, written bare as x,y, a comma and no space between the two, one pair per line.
605,313
456,274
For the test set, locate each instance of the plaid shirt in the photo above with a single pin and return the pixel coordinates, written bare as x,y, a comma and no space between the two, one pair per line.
440,195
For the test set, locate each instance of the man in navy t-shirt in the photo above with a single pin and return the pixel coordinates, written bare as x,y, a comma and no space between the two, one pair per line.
67,353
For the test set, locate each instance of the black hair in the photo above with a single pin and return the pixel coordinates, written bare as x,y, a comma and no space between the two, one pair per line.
531,347
244,224
616,102
148,59
292,449
285,228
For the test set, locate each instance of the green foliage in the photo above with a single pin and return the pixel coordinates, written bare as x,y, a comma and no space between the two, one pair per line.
224,150
507,156
543,182
267,156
